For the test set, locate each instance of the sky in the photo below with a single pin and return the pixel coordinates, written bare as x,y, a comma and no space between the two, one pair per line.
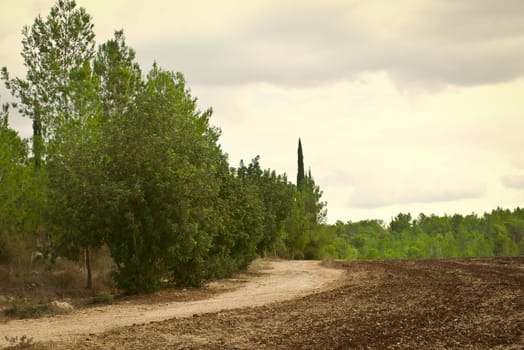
402,106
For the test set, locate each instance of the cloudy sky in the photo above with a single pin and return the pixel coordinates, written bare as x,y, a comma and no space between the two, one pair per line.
402,106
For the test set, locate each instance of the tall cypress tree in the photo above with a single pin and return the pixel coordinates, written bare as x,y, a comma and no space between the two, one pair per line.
300,172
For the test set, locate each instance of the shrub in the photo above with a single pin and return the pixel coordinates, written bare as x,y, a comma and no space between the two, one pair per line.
22,309
103,298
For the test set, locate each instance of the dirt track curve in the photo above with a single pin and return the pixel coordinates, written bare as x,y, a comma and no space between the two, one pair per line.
277,281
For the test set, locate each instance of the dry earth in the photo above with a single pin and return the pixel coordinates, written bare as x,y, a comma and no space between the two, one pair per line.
267,282
417,304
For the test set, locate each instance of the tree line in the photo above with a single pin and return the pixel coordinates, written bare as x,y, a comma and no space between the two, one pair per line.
497,233
127,160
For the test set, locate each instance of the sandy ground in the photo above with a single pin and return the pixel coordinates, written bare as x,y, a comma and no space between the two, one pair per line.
275,281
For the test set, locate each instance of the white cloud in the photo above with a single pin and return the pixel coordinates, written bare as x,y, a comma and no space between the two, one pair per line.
321,42
513,181
375,195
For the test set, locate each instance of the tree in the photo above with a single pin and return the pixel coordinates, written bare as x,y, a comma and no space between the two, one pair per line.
20,203
300,171
4,116
76,191
306,213
247,214
119,74
400,223
52,49
315,209
78,152
164,175
13,176
296,228
278,195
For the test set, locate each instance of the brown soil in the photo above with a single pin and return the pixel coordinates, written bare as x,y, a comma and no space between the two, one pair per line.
418,304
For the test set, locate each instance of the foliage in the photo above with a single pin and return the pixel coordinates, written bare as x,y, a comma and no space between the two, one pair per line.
20,203
300,168
53,48
162,181
499,233
131,163
103,298
21,309
13,177
119,75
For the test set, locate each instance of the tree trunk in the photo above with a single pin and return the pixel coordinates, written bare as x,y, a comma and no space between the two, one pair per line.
37,141
88,267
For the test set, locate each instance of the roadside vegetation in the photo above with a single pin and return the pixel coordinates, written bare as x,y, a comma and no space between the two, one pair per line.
124,164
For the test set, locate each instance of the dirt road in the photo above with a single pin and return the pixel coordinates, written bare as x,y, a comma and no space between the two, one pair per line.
275,281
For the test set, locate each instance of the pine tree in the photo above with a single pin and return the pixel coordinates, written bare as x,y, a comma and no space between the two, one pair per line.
300,173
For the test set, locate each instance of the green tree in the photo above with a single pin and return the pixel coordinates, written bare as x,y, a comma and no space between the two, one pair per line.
276,194
119,74
76,180
52,48
300,170
246,214
164,178
400,223
77,153
296,229
75,173
13,184
311,195
309,211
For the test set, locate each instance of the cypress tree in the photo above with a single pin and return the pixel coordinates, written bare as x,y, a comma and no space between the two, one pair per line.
300,172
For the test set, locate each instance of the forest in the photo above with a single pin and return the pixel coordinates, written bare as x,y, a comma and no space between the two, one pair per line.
498,233
125,160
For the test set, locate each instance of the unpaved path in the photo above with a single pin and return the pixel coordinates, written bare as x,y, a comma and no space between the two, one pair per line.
279,281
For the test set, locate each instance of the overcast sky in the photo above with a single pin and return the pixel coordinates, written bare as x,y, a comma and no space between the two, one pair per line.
402,106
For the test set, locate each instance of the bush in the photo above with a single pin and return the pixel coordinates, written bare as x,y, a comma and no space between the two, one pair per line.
22,309
103,298
414,252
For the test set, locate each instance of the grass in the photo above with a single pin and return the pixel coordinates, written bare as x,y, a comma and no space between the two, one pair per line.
24,342
27,309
